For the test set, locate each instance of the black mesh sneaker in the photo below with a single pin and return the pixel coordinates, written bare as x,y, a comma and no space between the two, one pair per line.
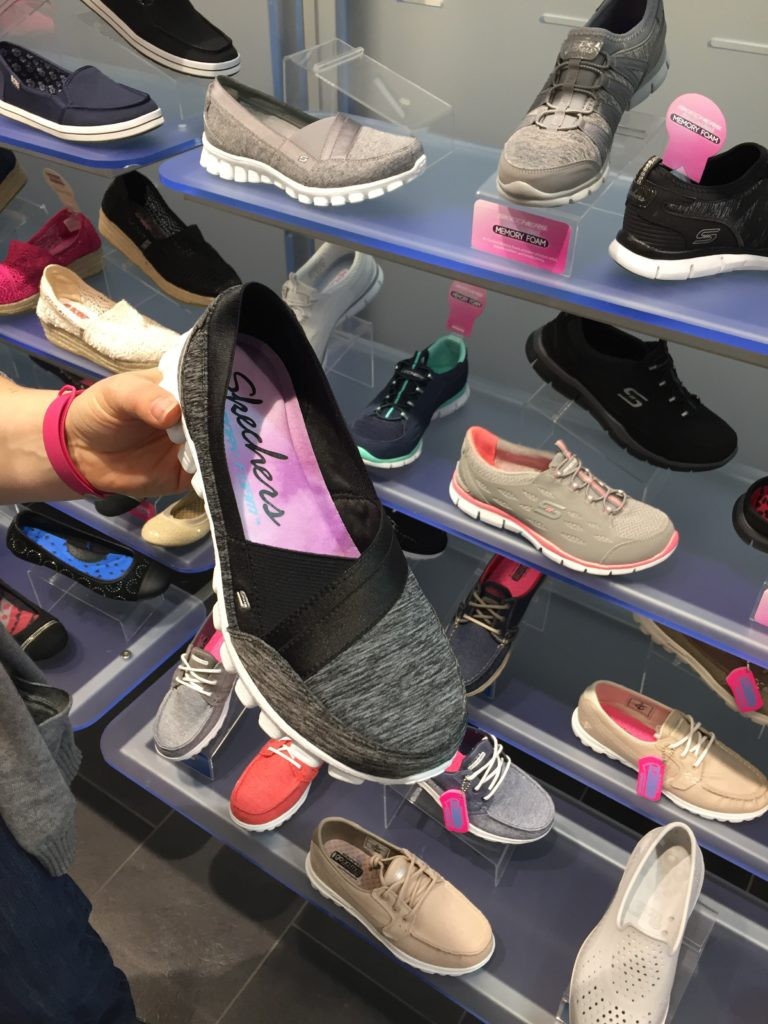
171,33
675,229
323,623
632,389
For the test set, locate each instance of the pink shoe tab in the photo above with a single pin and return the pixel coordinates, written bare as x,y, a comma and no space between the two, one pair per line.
455,814
743,685
456,763
650,778
214,645
465,304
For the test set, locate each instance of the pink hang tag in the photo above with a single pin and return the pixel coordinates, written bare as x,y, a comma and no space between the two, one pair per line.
520,236
650,778
465,304
696,129
743,685
455,814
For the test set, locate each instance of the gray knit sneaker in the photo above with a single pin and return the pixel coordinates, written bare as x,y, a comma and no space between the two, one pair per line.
559,506
559,154
195,707
329,161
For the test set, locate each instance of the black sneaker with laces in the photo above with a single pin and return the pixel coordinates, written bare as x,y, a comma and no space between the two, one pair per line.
675,229
632,389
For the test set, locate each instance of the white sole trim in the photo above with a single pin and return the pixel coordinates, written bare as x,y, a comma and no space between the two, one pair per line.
253,172
82,133
329,894
200,747
168,60
246,689
588,741
502,523
683,269
277,822
479,832
528,195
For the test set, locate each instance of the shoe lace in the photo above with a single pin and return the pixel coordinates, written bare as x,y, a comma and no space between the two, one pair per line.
491,772
485,610
612,499
665,370
299,296
198,677
414,885
404,387
698,742
286,751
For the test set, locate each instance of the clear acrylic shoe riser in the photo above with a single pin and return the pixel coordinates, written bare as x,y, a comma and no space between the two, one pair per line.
496,855
333,77
205,762
638,136
350,352
700,925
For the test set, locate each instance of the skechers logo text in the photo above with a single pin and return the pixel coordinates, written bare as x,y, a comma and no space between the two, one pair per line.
521,236
242,394
549,509
706,235
632,397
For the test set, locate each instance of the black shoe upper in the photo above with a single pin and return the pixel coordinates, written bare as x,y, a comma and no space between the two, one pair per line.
669,217
632,389
175,27
177,251
418,538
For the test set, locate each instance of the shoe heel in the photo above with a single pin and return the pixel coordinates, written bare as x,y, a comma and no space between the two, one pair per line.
652,83
540,365
453,405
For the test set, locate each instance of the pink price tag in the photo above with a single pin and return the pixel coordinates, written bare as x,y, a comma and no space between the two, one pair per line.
650,778
520,236
743,685
465,304
696,130
455,814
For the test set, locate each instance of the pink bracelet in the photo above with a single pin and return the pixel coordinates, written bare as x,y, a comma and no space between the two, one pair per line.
55,442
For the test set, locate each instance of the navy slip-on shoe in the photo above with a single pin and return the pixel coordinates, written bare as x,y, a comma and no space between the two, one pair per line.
430,384
12,177
80,106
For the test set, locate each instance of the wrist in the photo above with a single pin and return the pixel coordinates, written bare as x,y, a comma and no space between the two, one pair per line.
56,440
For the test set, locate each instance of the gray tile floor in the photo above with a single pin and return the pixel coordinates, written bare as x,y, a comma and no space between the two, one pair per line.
205,937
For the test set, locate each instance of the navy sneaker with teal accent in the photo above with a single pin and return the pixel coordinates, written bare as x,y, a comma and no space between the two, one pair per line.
430,384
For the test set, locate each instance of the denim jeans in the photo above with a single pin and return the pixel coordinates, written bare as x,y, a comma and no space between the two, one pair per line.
54,968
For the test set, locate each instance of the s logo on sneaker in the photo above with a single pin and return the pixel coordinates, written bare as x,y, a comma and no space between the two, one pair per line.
549,509
632,397
706,235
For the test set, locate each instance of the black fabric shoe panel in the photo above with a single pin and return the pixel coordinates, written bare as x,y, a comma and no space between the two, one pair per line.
39,634
175,27
417,538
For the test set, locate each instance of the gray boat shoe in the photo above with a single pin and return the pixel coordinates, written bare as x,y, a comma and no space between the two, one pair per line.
559,153
329,161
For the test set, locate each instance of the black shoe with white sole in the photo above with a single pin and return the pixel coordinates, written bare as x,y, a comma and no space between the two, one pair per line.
171,33
675,229
323,623
417,539
632,389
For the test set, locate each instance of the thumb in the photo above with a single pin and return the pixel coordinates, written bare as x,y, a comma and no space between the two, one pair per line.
133,397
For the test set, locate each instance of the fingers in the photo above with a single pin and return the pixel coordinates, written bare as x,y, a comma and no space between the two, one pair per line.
138,396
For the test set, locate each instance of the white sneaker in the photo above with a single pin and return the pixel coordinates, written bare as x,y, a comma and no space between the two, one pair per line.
625,969
333,284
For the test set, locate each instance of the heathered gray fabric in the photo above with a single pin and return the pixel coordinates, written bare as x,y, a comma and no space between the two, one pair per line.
38,760
353,155
186,717
565,138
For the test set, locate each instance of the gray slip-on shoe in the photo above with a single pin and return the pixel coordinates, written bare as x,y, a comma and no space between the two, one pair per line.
559,153
626,967
196,705
329,161
504,804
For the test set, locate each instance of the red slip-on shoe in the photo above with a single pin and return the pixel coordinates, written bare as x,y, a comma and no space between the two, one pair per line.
273,786
68,239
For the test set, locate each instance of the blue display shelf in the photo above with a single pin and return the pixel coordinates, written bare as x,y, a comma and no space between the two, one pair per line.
576,867
428,224
113,645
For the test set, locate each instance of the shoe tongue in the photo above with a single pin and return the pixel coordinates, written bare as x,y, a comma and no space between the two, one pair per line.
674,727
584,43
656,351
198,658
562,457
395,871
564,460
478,755
496,591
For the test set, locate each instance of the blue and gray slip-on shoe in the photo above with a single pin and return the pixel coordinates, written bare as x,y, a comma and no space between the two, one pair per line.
12,177
323,623
431,384
486,622
503,804
80,106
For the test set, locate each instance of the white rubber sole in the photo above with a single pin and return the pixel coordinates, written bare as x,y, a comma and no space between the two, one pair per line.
683,269
479,832
660,638
246,690
444,410
329,894
168,60
200,747
588,741
253,172
501,522
82,133
277,822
